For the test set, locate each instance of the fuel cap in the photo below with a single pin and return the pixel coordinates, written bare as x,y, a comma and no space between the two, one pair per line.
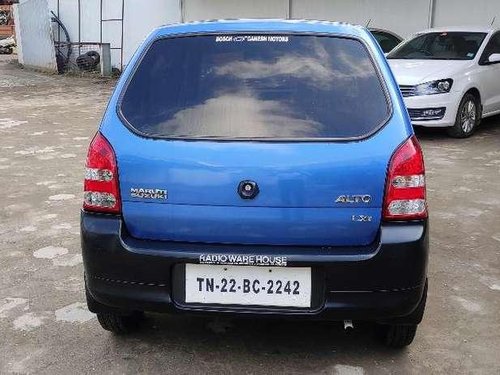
248,189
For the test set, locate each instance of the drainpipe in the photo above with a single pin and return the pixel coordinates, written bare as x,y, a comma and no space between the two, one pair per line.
182,8
430,19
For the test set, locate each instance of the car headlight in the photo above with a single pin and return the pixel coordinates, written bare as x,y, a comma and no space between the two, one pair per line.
441,86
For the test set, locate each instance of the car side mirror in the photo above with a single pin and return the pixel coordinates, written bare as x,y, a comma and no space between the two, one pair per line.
494,58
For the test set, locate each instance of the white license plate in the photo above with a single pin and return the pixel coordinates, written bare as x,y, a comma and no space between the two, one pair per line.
248,285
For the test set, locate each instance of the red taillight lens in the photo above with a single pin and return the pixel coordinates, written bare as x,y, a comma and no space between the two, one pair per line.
405,190
101,193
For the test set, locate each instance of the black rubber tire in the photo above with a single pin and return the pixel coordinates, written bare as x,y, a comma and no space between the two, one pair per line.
95,57
398,335
456,131
400,332
84,62
120,324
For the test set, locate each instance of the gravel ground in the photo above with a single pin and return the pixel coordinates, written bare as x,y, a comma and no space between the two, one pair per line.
46,123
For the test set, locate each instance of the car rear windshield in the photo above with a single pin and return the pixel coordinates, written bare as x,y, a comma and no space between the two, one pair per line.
440,46
255,87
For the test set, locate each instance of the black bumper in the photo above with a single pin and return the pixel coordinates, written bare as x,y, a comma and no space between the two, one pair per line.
380,282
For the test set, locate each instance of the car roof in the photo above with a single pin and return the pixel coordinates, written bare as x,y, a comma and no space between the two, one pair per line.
472,29
256,25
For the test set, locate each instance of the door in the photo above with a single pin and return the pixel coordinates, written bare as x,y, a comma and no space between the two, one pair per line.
490,77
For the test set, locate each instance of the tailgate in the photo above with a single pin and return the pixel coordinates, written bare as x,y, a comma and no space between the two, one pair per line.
309,193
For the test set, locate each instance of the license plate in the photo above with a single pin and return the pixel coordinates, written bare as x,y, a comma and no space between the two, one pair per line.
248,285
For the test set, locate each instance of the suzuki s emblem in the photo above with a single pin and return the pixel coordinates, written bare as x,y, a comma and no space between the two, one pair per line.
248,189
365,198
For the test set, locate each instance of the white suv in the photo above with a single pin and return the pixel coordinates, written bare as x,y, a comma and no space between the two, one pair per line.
450,77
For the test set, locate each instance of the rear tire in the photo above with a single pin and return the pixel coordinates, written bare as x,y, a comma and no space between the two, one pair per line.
468,117
398,335
400,332
111,319
120,324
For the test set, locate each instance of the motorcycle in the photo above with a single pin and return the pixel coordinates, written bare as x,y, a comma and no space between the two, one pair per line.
7,45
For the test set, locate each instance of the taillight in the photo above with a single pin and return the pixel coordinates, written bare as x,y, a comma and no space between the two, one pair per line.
101,192
405,190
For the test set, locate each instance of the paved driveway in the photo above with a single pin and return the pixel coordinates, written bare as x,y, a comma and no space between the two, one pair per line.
46,123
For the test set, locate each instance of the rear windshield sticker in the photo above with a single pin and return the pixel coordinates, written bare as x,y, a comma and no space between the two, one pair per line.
252,38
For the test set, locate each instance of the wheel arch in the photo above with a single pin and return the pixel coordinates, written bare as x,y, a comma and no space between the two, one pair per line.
474,91
456,131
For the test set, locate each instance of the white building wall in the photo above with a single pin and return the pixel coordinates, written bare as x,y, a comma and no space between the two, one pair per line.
194,10
34,35
19,37
142,16
140,20
466,12
68,13
90,14
112,29
403,17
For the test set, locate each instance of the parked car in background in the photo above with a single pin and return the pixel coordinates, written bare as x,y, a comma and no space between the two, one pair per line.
386,39
230,175
450,77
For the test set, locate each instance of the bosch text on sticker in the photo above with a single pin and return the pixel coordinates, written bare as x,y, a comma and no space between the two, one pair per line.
252,38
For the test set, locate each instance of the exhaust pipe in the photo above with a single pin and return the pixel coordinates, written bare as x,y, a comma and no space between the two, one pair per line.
348,326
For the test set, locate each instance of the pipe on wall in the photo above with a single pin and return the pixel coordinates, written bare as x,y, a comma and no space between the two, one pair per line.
432,9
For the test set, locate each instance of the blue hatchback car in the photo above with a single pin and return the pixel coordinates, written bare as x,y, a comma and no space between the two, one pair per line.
257,167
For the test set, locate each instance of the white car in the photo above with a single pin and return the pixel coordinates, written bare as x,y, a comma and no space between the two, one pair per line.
450,77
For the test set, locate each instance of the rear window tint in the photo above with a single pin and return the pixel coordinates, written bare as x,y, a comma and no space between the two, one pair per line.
255,87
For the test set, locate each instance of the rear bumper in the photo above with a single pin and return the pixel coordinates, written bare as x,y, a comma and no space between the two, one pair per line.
380,282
